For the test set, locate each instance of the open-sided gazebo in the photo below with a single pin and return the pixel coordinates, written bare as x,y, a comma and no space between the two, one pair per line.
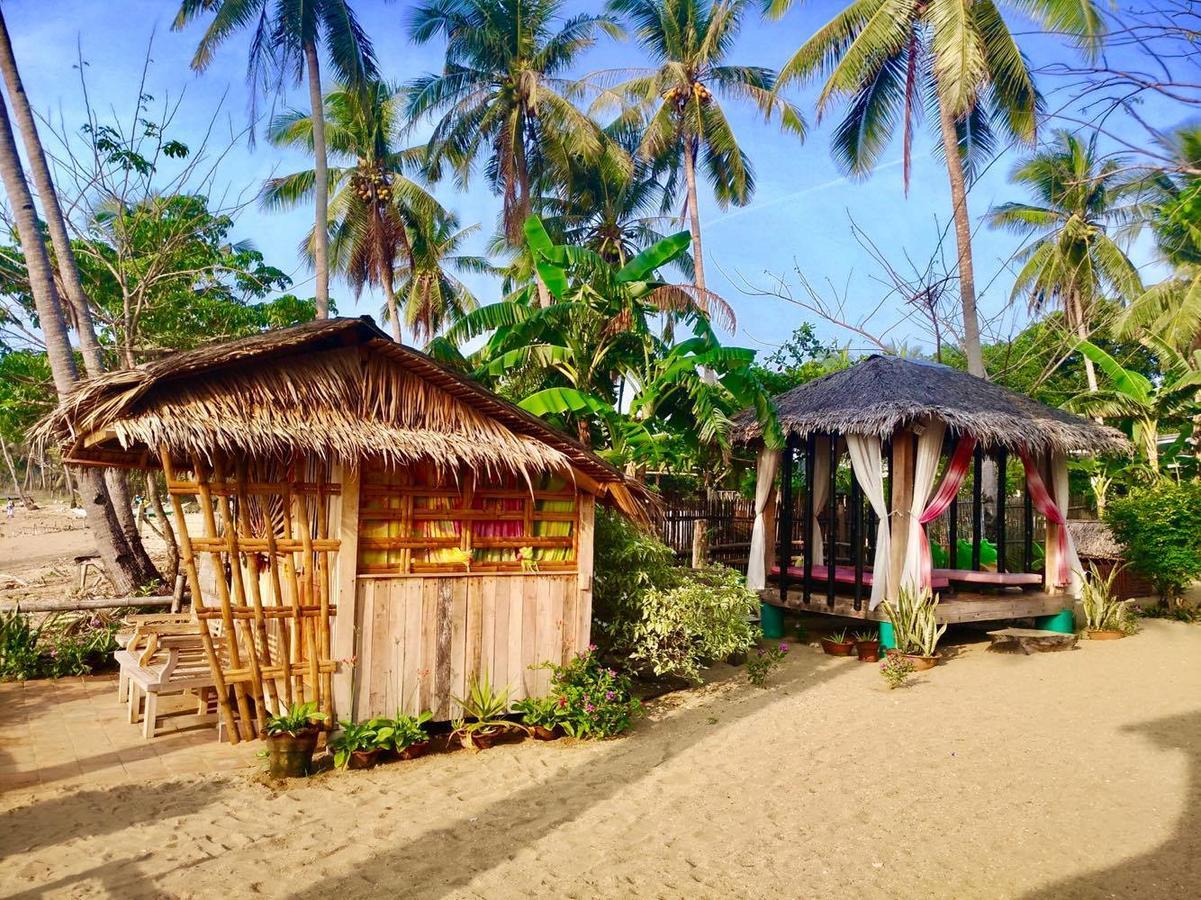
912,432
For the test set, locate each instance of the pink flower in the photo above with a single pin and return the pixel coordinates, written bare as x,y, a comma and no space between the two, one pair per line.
588,707
609,695
783,648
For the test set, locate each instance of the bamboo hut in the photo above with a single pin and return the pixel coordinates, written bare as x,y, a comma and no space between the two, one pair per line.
912,433
373,527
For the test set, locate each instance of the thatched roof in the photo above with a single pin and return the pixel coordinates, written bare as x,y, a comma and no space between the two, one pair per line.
880,393
341,389
1094,540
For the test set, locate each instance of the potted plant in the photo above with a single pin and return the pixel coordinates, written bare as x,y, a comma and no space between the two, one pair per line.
838,644
482,720
867,646
915,625
407,736
291,738
357,745
541,716
1106,617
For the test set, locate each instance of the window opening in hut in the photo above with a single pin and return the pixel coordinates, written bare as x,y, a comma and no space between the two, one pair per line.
422,519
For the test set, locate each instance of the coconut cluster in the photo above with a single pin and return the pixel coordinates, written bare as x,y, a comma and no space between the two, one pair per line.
372,185
681,93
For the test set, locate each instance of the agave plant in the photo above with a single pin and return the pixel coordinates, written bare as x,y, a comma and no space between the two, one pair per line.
483,713
1102,610
914,621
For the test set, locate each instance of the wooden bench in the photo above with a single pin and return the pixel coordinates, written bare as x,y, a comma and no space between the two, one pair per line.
163,655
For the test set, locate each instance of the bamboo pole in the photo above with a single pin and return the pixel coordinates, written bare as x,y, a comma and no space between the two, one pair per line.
246,527
206,638
322,574
239,583
227,619
296,626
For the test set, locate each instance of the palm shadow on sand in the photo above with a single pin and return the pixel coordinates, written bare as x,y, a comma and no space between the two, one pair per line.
443,860
1171,870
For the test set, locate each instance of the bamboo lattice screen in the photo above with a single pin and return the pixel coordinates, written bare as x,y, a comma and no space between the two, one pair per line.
260,573
424,520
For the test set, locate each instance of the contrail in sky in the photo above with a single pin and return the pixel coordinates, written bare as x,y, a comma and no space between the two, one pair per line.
785,198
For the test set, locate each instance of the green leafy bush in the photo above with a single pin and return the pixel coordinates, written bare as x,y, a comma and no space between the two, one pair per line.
593,700
664,618
1160,528
60,647
706,616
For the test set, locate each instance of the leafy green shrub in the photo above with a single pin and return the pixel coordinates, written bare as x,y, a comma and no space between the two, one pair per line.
706,616
628,563
19,655
60,647
895,669
594,700
664,618
543,712
1160,528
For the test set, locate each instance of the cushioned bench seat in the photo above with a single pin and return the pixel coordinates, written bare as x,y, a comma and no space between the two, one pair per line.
845,575
993,579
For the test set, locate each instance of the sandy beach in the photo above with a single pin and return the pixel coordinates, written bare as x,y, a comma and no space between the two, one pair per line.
1072,774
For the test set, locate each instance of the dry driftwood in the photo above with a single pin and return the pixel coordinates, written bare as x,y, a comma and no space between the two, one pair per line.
1030,640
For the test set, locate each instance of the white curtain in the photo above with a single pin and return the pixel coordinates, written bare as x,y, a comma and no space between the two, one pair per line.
929,451
865,462
1059,492
821,493
765,485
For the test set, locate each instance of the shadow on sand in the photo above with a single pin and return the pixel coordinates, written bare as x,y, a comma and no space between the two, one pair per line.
443,860
1171,870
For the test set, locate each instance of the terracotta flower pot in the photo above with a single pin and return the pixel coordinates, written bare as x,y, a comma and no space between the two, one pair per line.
868,651
363,759
291,755
1105,634
542,733
482,740
414,750
922,663
834,648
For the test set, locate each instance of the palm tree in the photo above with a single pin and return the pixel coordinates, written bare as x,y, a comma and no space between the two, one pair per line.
1171,310
434,297
120,563
1073,259
286,36
502,95
1146,403
689,41
373,204
613,213
887,58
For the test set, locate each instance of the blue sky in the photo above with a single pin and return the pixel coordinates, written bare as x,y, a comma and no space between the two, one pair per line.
800,217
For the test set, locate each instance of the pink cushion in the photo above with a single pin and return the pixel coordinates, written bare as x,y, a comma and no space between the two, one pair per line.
1003,579
844,575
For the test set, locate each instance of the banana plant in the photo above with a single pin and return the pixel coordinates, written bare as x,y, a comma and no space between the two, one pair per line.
1145,403
596,358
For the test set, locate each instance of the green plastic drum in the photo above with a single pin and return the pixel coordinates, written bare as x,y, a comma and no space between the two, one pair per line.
771,620
1063,622
888,637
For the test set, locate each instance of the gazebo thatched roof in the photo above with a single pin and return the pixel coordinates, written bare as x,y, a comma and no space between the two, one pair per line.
341,389
880,393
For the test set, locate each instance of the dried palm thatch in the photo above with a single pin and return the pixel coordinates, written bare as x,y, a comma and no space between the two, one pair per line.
339,389
1094,540
880,393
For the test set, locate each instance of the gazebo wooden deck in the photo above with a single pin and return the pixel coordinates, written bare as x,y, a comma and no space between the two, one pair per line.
912,433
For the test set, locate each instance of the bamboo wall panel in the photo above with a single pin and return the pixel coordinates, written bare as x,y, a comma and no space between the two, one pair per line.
260,571
422,639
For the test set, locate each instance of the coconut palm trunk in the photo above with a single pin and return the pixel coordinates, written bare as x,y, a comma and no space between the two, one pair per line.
119,562
1081,329
393,308
68,272
320,181
963,241
56,224
22,495
694,213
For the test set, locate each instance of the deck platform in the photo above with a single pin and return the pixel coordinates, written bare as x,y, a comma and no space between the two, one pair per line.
963,606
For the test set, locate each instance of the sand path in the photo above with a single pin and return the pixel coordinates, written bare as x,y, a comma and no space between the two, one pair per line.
1064,775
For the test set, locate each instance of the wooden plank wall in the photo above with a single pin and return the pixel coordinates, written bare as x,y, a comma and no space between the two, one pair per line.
420,639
